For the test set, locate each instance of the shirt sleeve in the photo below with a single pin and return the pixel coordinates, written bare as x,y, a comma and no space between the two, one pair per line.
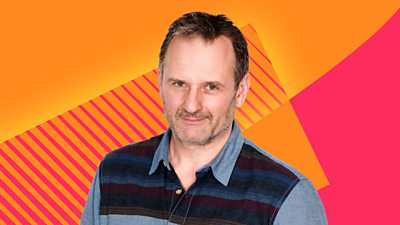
91,212
302,207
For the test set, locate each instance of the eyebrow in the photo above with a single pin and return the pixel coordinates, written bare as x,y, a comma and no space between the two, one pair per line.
216,83
171,79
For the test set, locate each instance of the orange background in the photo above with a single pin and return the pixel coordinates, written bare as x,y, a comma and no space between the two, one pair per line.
57,55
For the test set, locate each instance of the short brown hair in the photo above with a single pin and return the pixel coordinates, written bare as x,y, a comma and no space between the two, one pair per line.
209,27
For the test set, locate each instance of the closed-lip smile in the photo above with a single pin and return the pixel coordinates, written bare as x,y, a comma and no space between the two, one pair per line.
192,119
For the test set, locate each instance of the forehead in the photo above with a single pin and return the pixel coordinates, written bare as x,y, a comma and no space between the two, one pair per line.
196,60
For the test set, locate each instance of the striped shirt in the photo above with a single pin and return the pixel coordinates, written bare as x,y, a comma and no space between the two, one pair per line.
244,184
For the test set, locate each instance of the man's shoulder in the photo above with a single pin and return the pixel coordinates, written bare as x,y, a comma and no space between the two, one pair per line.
254,160
143,149
292,196
263,178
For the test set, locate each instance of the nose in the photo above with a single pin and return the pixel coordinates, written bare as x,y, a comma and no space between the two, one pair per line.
192,102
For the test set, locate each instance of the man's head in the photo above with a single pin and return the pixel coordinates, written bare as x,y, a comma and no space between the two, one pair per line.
203,77
208,27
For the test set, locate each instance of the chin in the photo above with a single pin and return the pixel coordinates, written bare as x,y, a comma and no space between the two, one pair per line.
198,137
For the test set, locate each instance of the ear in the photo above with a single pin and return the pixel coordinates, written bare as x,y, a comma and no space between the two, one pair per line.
242,90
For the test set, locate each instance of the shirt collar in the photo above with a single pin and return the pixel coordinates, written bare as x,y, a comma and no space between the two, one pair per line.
223,164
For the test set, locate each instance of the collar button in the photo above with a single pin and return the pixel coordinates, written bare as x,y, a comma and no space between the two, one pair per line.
178,191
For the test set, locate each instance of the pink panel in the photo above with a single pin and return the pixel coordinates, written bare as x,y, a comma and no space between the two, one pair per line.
352,119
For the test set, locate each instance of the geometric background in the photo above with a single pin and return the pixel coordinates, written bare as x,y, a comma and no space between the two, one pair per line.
46,172
349,115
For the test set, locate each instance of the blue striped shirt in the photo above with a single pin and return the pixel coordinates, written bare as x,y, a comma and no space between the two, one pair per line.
244,184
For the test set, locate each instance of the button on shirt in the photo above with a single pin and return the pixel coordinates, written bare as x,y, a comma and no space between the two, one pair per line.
244,184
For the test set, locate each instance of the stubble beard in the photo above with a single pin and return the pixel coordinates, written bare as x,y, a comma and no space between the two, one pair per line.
215,129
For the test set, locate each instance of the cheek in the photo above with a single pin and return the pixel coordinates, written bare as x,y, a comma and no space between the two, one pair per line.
171,100
218,106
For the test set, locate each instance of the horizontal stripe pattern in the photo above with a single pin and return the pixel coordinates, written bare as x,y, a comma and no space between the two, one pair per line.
256,190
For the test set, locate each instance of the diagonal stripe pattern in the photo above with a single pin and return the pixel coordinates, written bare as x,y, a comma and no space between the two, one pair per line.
46,172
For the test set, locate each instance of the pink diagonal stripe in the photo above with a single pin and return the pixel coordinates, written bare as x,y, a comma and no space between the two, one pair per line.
135,114
124,118
55,175
145,108
62,166
155,72
23,189
4,218
259,98
253,29
77,150
245,115
265,72
116,142
254,108
12,210
150,82
21,203
240,125
77,134
46,180
266,89
65,153
108,149
149,97
111,121
248,40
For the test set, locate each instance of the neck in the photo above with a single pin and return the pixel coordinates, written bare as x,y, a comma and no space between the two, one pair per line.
186,159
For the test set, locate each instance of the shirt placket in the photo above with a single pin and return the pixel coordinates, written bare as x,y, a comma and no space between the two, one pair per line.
181,200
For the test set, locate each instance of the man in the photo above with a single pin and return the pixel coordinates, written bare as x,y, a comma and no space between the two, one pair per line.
201,170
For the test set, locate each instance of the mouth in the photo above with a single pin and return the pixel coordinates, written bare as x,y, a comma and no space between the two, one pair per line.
192,120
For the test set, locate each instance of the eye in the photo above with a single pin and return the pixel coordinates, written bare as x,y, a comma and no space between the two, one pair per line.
179,84
212,87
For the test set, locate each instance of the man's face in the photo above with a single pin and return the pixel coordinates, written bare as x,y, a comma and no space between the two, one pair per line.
198,89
